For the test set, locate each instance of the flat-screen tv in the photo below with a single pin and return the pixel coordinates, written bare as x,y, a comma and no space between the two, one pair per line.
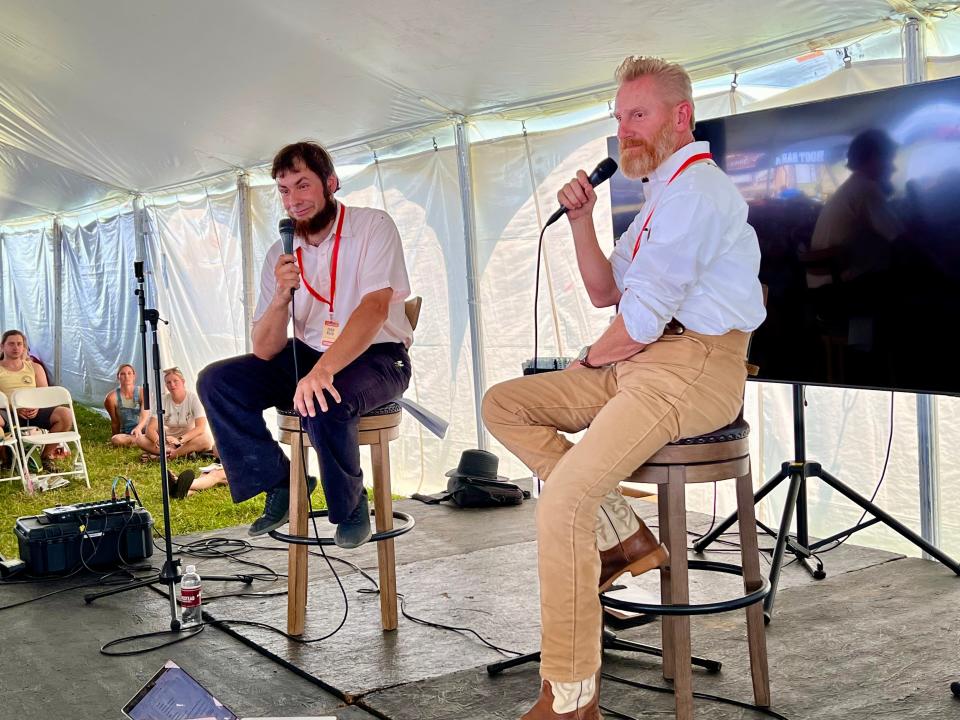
856,205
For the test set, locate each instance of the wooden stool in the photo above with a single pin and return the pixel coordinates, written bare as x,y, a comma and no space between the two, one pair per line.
377,429
720,455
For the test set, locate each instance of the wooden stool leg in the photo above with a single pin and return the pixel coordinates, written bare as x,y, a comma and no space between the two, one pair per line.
666,597
680,592
383,511
297,554
750,560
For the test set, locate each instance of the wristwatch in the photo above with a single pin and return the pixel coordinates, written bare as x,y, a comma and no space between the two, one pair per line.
582,358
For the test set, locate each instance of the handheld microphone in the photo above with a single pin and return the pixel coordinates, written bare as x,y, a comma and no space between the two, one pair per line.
286,235
600,174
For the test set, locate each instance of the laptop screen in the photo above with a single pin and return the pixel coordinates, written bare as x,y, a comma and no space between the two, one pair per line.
172,694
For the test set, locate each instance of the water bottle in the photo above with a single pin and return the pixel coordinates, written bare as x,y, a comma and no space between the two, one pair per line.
190,597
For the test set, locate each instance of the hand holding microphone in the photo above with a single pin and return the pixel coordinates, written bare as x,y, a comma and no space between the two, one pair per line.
286,272
577,197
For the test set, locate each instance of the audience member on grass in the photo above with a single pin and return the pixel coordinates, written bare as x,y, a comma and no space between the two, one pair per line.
125,405
185,422
207,480
17,371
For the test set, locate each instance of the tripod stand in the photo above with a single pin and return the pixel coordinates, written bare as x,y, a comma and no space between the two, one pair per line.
170,572
797,471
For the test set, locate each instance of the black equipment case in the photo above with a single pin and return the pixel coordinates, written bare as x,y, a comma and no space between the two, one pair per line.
97,534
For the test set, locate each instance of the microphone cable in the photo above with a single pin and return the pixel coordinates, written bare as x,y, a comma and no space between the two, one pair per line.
536,298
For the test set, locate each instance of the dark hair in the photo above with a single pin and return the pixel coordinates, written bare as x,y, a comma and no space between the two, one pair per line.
869,145
7,334
311,154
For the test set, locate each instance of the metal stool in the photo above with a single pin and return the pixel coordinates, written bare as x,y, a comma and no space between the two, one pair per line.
377,429
720,455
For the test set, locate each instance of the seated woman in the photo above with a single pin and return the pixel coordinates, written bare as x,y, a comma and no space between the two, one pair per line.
184,422
125,405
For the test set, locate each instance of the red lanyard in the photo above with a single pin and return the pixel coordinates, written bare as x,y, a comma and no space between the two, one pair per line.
333,264
690,161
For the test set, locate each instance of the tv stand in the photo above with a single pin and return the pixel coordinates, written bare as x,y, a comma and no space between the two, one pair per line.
797,471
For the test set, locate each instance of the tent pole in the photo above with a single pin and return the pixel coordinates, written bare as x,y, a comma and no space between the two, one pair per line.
138,239
914,70
3,297
57,301
246,254
914,51
473,305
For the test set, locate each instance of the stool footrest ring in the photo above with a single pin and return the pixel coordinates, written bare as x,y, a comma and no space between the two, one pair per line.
407,526
701,609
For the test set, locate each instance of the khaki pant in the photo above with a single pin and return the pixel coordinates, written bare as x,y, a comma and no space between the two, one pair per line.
680,386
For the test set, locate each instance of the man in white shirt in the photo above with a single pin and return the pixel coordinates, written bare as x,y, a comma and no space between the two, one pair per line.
683,278
856,222
347,280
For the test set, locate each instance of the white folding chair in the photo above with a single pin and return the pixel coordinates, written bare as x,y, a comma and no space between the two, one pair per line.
8,439
45,397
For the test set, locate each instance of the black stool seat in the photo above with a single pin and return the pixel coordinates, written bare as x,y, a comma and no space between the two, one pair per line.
737,430
389,409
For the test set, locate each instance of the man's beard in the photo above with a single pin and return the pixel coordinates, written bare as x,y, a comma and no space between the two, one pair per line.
312,226
639,158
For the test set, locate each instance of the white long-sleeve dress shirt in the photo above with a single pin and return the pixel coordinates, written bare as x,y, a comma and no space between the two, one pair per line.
698,259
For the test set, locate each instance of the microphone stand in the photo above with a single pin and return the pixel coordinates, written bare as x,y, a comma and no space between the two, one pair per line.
170,572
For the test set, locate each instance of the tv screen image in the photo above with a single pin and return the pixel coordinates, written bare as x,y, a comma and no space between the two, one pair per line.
856,206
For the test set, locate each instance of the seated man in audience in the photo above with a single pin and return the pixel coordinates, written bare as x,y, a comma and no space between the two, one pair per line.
125,405
17,371
184,422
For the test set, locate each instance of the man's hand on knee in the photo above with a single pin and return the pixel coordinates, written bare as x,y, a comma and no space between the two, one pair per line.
312,386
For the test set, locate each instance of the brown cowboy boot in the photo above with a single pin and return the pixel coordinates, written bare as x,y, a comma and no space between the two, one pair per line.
624,541
567,701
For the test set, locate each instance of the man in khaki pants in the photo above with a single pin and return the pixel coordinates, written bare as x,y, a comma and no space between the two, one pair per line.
683,278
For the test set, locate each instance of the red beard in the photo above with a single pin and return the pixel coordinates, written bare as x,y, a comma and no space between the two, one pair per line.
639,157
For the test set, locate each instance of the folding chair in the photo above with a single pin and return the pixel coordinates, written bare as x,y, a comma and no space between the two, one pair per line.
8,439
44,397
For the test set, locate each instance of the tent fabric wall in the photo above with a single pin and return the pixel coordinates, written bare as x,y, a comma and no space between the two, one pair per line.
515,182
100,314
29,286
194,271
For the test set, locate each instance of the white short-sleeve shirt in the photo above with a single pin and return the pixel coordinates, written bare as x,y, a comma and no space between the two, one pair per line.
180,418
370,259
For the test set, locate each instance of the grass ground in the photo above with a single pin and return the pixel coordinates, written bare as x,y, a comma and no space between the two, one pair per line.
209,510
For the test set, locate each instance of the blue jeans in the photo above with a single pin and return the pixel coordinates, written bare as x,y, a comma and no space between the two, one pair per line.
236,391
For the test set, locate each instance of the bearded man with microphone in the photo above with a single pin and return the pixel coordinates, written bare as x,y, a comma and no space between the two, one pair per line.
672,364
342,275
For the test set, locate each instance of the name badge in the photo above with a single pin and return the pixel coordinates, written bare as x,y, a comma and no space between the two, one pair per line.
331,331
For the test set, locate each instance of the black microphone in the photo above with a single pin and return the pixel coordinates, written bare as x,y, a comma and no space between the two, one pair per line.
286,235
600,174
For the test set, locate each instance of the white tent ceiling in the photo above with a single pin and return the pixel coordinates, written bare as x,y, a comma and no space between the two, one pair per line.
102,97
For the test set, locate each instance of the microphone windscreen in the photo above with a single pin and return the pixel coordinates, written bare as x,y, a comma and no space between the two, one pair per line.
286,235
603,172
